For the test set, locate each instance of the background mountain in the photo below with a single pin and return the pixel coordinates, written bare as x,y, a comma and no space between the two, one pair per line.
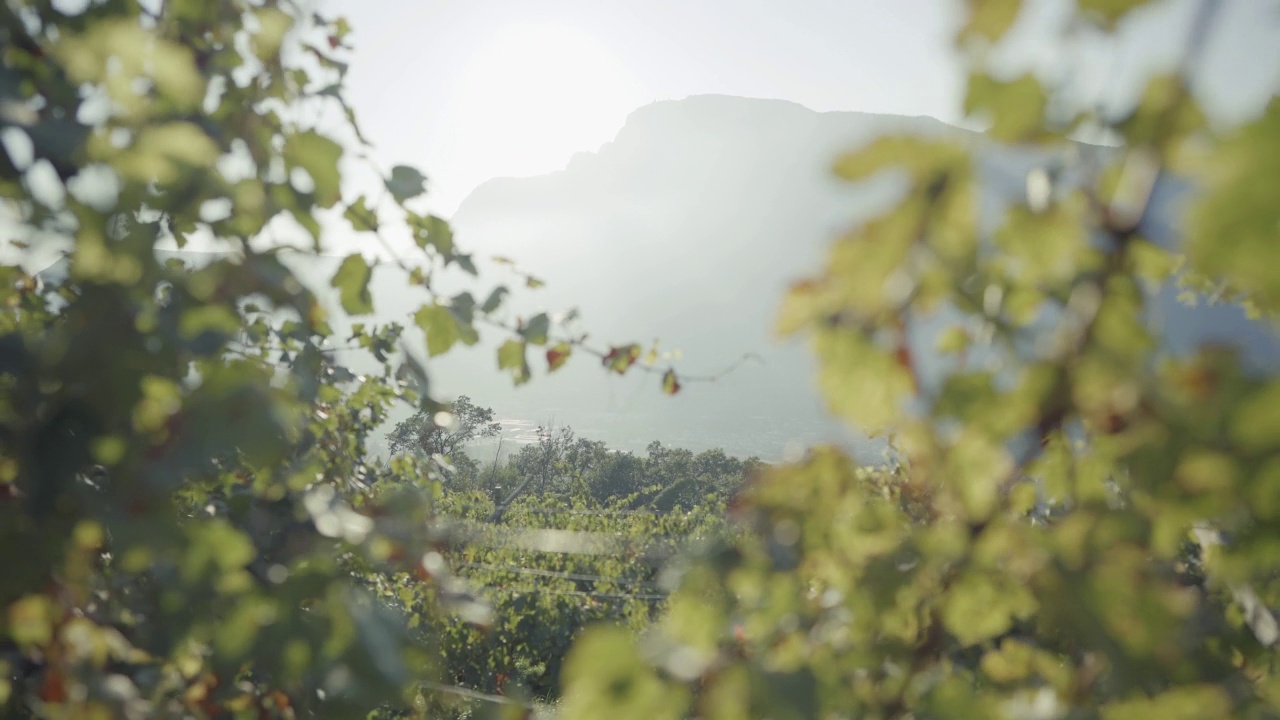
687,228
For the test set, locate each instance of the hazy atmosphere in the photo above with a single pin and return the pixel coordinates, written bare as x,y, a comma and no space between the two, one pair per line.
705,208
713,360
503,88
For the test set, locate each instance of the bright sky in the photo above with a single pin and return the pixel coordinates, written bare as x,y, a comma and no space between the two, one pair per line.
474,89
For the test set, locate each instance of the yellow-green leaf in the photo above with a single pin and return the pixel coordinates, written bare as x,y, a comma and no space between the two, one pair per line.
319,156
604,677
511,357
1015,107
979,606
862,383
31,621
352,282
990,19
1110,12
362,217
443,328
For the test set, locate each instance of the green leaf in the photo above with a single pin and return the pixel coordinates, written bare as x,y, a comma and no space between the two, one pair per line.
1165,113
406,183
990,19
31,621
161,152
1256,423
954,339
1188,702
1047,250
979,607
464,305
605,677
536,329
511,357
1110,12
352,282
432,231
1016,107
341,28
208,319
862,383
216,548
494,301
464,262
443,328
914,155
1233,224
274,24
361,217
319,156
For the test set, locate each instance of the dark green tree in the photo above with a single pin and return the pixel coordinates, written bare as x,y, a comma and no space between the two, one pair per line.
446,432
444,436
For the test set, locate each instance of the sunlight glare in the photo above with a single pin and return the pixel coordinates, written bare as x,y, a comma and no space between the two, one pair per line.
532,96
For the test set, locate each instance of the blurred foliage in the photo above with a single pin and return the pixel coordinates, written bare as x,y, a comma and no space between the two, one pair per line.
192,524
1075,524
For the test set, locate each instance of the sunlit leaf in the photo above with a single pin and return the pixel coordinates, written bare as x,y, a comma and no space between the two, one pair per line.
352,282
273,25
979,607
511,357
360,216
319,156
30,621
1016,107
1233,225
862,383
603,676
990,19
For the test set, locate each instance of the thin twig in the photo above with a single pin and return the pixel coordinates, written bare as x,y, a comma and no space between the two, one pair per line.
474,694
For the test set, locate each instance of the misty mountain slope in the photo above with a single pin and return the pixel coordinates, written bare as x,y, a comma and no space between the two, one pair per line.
688,227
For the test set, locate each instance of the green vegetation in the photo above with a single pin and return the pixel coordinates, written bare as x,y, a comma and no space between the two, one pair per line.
192,525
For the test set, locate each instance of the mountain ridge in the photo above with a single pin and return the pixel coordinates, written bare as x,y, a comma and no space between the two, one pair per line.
685,229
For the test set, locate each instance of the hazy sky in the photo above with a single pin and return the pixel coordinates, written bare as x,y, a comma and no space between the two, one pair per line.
474,89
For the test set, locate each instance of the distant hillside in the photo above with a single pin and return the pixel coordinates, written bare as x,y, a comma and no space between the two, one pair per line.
687,227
